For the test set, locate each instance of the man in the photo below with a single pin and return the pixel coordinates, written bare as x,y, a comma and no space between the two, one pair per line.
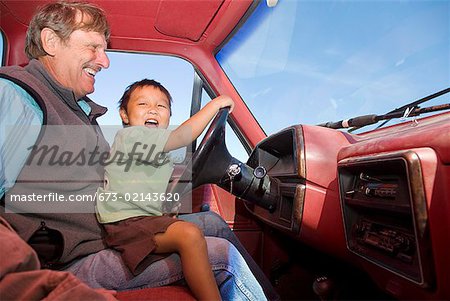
66,44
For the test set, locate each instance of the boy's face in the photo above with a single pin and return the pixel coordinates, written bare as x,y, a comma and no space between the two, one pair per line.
147,106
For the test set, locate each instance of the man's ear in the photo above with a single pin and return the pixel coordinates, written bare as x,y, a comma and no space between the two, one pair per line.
49,41
124,116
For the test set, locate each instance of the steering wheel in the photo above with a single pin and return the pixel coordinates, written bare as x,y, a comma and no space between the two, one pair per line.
210,160
211,163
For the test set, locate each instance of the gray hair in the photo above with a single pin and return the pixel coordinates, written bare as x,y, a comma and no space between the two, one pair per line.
63,18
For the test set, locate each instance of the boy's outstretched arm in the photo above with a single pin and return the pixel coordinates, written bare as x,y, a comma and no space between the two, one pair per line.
189,130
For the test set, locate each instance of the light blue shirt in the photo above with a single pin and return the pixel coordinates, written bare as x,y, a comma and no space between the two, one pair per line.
21,119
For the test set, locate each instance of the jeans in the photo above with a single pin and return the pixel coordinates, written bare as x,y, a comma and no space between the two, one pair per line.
105,269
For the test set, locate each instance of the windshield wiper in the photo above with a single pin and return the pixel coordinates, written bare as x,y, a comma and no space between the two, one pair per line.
408,110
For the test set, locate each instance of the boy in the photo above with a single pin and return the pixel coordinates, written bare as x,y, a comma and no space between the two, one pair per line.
130,205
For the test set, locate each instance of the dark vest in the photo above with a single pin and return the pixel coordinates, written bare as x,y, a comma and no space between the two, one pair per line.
76,133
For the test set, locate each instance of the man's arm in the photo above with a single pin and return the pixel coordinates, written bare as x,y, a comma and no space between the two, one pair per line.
189,130
22,279
20,122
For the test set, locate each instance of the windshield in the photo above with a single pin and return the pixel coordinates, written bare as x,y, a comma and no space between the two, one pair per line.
310,62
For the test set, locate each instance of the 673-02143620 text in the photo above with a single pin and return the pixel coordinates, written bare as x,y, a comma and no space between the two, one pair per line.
138,197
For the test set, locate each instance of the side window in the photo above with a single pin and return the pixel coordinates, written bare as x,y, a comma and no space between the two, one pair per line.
126,68
176,74
232,142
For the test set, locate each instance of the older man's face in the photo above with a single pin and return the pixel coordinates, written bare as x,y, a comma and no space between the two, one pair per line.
77,61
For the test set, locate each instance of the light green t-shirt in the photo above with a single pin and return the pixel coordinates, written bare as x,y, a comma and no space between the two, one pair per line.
136,175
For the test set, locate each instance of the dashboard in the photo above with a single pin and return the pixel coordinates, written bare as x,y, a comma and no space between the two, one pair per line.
379,200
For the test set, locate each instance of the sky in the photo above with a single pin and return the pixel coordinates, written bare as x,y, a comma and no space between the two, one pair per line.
125,68
338,59
1,48
174,73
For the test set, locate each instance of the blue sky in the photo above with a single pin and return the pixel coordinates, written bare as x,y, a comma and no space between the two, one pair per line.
174,73
125,68
316,61
1,47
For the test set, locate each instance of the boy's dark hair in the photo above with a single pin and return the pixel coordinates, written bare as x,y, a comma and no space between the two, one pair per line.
123,102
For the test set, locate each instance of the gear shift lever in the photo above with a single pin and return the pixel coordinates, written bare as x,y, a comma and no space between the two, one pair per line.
324,288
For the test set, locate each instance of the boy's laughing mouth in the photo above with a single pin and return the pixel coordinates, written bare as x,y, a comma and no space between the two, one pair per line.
151,123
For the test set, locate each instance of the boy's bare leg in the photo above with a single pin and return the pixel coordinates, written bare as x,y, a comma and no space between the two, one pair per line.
187,239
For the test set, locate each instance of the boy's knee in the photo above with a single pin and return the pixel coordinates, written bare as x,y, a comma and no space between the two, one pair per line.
192,233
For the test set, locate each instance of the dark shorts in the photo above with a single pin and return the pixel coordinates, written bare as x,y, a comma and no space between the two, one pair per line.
134,238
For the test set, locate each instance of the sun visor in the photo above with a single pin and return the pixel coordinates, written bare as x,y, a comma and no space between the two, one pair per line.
186,19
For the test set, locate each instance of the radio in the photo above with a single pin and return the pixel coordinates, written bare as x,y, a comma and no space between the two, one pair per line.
385,213
383,190
393,242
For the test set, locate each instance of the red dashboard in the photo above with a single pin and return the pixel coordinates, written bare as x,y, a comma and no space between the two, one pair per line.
379,200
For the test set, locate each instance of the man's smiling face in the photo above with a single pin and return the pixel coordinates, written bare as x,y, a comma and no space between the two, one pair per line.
77,61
